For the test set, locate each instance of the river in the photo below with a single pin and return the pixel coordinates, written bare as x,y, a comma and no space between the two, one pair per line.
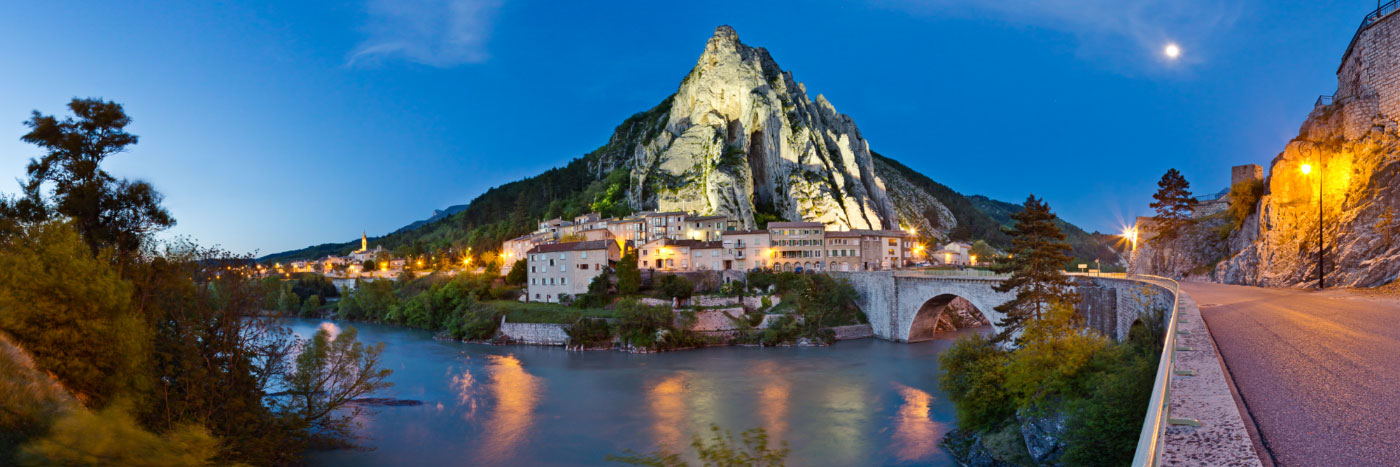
862,402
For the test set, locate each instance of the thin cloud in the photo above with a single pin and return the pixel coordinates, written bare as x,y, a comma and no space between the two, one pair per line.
1125,34
439,33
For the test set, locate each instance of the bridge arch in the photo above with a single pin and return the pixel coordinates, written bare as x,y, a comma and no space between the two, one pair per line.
938,310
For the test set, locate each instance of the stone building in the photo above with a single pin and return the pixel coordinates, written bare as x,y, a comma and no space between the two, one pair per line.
709,256
665,225
747,249
884,249
630,229
1244,173
797,245
707,228
843,251
566,269
1368,80
665,254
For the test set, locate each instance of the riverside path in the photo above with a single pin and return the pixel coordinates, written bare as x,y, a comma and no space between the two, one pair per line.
1319,372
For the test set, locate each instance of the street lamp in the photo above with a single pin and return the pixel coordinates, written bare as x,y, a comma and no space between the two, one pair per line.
1130,234
1307,170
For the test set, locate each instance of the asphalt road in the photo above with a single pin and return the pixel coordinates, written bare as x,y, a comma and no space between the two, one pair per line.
1318,371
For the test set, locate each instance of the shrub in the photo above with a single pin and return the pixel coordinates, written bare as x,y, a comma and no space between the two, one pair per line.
1054,350
517,275
672,285
639,324
974,380
589,332
113,437
629,278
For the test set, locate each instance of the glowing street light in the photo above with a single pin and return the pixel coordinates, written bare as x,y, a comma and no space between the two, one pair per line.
1307,170
1130,235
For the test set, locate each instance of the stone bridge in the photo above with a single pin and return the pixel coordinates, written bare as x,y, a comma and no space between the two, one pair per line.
905,306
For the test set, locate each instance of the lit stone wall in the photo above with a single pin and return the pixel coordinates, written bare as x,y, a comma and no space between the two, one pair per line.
1368,80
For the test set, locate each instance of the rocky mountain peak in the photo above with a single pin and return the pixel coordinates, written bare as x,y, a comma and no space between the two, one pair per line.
740,137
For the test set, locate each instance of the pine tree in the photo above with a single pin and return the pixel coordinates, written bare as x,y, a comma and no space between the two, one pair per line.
1038,257
1173,203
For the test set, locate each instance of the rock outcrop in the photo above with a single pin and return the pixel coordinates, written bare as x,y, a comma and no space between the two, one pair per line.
1359,180
741,137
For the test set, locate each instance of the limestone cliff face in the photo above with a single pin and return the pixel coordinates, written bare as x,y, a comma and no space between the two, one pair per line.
1360,176
741,137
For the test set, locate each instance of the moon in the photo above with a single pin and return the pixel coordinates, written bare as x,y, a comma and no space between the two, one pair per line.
1172,51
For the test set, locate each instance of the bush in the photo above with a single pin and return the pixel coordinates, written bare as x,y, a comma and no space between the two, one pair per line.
672,285
589,333
517,275
474,322
974,380
1054,350
638,324
113,437
629,278
1104,427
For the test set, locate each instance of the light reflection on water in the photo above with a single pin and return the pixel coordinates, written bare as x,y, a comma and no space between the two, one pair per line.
856,403
915,434
516,393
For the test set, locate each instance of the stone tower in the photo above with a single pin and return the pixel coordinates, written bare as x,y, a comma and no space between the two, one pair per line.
1245,172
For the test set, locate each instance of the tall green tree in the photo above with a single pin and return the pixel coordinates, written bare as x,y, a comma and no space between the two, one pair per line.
517,274
108,212
1038,257
629,278
1173,203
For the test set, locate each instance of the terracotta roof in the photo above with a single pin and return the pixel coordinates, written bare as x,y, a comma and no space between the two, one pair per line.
571,246
707,246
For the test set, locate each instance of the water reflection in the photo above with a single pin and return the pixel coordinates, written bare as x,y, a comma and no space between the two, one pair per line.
847,423
773,396
668,410
915,434
516,393
465,386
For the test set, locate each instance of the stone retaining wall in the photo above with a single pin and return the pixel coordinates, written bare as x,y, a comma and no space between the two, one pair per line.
716,319
535,333
854,331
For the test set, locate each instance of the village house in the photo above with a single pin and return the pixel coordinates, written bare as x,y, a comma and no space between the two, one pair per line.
954,254
707,228
746,249
565,269
708,256
665,254
797,245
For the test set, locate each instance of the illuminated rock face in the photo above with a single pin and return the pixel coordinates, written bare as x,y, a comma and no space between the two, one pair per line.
740,137
1359,180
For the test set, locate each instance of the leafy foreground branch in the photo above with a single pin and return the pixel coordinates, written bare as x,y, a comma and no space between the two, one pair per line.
119,349
720,450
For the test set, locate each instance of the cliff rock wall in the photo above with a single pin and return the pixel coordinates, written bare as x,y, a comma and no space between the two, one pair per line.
741,137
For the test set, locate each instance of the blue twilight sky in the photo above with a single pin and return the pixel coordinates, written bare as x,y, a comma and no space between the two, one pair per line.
272,125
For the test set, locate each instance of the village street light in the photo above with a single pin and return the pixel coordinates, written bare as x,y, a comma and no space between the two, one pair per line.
1307,171
1130,234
